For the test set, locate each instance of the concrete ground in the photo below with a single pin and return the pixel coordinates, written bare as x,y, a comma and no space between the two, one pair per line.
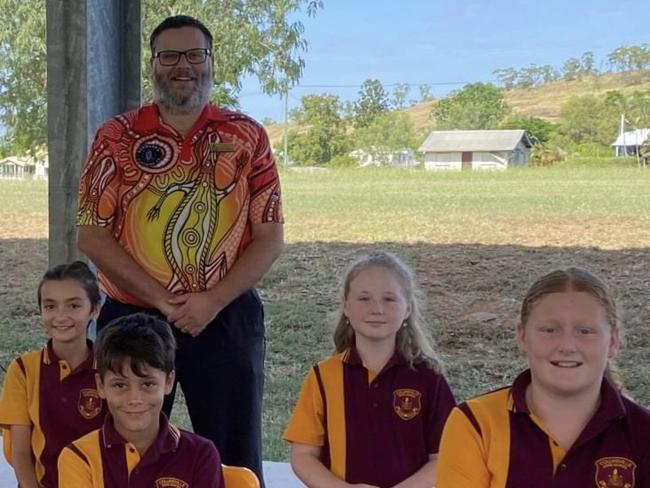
277,475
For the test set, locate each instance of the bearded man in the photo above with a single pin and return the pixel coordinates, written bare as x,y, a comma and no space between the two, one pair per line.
180,209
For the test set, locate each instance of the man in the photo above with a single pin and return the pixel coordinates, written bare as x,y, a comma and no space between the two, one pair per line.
179,208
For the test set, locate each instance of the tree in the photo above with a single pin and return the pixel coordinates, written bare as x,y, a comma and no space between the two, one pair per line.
589,120
475,106
540,129
507,77
400,92
387,133
373,100
572,69
425,92
323,136
251,38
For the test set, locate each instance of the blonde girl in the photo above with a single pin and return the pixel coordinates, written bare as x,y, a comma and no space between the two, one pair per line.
372,414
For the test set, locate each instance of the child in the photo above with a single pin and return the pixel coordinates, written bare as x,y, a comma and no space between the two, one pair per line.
49,396
563,422
372,415
137,446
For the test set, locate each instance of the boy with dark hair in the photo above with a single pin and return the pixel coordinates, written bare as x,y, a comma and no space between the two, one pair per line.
137,446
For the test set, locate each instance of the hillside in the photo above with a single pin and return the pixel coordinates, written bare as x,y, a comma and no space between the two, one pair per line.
543,101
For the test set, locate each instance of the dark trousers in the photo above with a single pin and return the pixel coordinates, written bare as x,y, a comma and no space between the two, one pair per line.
221,372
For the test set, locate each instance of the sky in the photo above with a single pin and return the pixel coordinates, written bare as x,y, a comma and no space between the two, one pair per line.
447,43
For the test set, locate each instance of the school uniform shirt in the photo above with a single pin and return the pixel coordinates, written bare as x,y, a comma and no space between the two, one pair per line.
41,391
495,441
376,429
176,459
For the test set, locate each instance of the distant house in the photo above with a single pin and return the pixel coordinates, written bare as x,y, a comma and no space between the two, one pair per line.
629,143
19,168
402,158
476,149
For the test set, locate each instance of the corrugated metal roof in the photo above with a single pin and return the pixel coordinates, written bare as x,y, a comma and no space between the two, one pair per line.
473,140
632,138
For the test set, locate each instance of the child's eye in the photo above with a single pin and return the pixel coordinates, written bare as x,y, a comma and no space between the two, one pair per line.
149,384
548,330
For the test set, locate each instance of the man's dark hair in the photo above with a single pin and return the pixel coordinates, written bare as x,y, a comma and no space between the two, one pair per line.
76,271
176,22
139,340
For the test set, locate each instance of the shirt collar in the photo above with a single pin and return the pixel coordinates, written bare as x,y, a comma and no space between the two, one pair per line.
50,357
167,439
351,357
148,118
611,401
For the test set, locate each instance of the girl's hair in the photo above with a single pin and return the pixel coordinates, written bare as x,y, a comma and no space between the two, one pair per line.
77,271
578,280
412,342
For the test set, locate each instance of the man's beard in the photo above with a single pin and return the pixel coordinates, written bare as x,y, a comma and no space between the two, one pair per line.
182,102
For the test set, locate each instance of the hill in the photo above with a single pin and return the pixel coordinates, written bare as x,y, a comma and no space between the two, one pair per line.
543,101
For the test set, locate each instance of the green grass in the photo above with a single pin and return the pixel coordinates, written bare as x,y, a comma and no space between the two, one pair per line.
474,240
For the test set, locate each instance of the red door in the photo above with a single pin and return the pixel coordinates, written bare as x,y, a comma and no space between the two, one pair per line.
466,159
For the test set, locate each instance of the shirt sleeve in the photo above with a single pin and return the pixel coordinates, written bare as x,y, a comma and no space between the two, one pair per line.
307,424
99,182
441,404
461,460
264,184
74,470
208,472
14,402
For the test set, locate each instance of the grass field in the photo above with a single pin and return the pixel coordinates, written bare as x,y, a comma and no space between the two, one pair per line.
475,240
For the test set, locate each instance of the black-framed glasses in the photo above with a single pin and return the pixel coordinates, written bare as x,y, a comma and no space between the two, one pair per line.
193,56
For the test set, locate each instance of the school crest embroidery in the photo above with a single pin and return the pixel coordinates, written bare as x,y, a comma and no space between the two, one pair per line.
406,403
615,472
169,482
90,405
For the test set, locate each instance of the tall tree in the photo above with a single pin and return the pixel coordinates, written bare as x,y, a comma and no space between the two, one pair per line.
373,100
323,134
400,92
387,133
475,106
251,38
506,76
425,92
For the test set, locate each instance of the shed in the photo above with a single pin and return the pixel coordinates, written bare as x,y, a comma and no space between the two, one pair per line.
476,149
629,143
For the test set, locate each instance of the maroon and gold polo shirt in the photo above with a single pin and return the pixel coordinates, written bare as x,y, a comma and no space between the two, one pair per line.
181,207
495,441
176,459
60,405
375,429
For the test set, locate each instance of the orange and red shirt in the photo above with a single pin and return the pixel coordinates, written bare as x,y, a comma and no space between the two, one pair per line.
376,429
176,459
494,441
60,405
181,207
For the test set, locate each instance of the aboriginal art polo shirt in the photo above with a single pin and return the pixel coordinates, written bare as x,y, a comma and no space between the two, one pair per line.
60,405
181,206
373,429
495,441
176,459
